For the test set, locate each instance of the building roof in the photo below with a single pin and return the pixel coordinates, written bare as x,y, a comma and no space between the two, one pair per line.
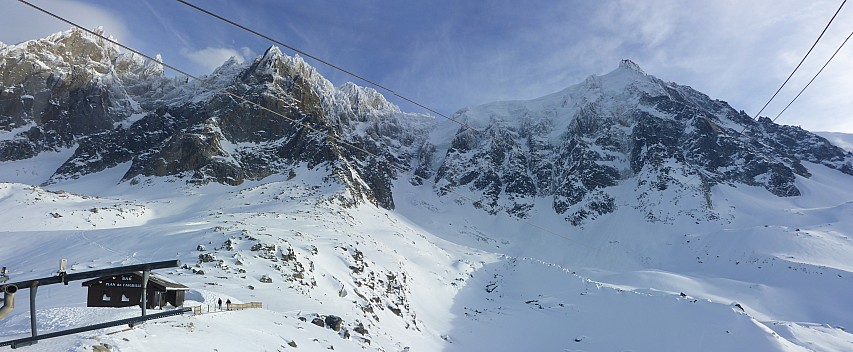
153,279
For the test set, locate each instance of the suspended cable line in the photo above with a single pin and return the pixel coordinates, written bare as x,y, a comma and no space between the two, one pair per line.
815,76
493,138
792,74
801,61
461,123
327,63
337,138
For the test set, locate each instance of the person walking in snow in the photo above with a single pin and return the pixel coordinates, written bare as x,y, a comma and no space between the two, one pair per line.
220,303
228,304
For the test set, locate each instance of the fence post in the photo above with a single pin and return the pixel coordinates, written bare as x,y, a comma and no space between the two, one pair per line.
146,273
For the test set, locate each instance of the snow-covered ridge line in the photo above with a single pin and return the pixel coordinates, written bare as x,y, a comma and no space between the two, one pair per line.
668,228
158,116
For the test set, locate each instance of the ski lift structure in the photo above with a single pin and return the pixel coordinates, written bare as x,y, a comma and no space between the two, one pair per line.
63,277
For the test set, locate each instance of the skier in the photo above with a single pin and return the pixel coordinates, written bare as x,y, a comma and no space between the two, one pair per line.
220,303
228,304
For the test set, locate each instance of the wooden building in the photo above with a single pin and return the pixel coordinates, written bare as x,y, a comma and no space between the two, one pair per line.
125,290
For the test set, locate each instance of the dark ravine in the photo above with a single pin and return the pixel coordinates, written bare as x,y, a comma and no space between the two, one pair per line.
73,91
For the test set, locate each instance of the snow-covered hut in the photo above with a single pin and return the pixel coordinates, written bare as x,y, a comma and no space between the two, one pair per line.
125,290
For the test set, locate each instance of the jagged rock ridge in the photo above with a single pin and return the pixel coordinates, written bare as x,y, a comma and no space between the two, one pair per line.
113,108
570,148
668,140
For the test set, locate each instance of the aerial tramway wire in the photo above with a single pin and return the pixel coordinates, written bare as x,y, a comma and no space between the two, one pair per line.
488,136
389,90
815,76
495,139
499,141
698,173
801,61
307,126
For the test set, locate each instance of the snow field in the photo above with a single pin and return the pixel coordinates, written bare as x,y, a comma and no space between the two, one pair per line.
435,275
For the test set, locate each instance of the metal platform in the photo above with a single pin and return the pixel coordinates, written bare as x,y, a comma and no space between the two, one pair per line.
63,278
129,321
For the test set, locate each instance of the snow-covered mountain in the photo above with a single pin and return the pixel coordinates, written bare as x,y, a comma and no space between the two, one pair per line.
843,140
622,213
625,127
70,91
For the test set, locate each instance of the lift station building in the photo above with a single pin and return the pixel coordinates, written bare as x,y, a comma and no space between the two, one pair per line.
125,290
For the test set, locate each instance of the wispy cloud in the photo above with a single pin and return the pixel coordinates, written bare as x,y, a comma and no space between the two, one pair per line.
174,30
22,23
450,54
210,58
734,51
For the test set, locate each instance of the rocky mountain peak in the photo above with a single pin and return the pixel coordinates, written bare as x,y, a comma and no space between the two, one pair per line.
151,68
73,56
366,99
631,65
275,66
276,62
231,62
273,53
620,139
132,64
74,47
671,142
225,72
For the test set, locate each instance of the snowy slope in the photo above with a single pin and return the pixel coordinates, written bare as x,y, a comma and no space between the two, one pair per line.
576,152
786,261
275,229
622,213
436,276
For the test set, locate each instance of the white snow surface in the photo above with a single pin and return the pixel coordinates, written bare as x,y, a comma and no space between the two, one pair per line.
774,274
35,170
612,95
435,274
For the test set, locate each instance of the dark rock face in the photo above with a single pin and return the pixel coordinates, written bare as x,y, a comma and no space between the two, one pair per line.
334,322
572,148
114,109
64,88
802,145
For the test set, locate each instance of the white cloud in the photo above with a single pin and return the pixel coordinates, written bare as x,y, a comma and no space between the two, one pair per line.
730,49
22,23
722,48
210,58
647,22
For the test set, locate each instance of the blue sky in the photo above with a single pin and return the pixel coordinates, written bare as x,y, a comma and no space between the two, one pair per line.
452,54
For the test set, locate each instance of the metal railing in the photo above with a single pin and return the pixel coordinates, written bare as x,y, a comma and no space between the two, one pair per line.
64,277
239,306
